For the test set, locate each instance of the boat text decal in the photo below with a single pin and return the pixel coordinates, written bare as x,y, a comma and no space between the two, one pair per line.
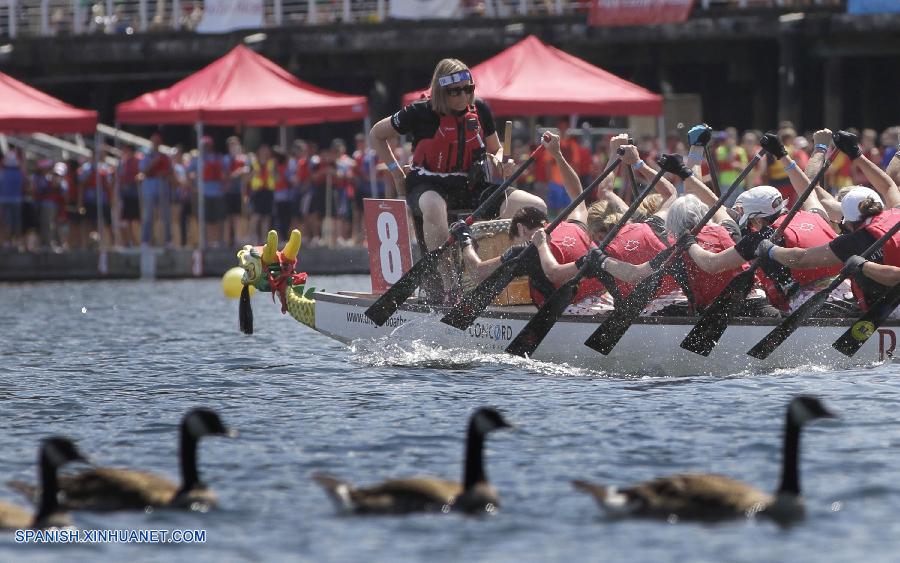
886,351
490,331
393,322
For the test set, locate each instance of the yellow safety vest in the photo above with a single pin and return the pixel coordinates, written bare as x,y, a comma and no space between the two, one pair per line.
263,179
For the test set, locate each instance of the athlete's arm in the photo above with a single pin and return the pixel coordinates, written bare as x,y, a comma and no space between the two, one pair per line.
557,273
481,268
805,258
884,274
379,135
715,262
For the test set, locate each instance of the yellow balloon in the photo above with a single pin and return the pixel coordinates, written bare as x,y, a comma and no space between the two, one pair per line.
231,283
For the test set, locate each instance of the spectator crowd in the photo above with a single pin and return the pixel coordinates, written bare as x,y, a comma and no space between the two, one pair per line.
53,205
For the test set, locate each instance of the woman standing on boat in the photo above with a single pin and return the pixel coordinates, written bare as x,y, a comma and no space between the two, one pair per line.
453,137
867,216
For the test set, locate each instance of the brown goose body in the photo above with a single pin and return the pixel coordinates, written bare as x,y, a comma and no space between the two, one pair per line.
426,494
688,496
711,497
109,489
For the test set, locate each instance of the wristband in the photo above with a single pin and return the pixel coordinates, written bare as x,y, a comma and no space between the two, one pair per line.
820,147
791,166
393,166
695,155
637,165
771,250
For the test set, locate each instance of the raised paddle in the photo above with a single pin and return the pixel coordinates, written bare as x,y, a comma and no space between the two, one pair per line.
386,305
857,335
475,301
787,327
530,337
608,334
706,333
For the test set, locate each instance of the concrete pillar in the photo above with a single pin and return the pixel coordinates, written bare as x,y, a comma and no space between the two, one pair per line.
789,64
833,102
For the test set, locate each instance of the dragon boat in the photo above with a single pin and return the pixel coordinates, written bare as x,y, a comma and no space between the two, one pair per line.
650,347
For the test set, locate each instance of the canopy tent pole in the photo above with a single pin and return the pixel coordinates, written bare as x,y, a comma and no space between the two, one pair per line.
373,183
115,207
102,265
201,209
661,132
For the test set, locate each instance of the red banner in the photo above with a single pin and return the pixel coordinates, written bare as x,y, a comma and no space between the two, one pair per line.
613,13
387,232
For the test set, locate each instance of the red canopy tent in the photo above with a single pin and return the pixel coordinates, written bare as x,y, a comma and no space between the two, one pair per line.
531,78
26,110
242,88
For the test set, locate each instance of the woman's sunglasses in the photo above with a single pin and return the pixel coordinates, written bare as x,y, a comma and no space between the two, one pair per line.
456,91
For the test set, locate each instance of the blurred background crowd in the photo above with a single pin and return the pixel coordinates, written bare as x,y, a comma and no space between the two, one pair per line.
149,196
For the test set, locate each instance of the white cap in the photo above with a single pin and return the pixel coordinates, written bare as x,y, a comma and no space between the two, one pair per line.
60,169
761,201
851,201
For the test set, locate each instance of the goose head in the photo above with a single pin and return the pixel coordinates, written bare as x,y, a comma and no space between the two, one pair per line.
201,422
486,420
56,451
806,408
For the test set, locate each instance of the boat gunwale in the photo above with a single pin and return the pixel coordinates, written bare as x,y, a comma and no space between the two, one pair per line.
516,312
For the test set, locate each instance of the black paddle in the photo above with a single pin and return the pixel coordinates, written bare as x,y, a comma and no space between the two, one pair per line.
386,305
530,337
704,336
608,334
787,327
853,339
475,301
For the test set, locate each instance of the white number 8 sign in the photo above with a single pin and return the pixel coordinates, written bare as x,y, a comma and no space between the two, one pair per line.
388,236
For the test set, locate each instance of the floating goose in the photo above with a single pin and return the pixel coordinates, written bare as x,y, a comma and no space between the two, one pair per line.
426,494
53,454
107,488
714,497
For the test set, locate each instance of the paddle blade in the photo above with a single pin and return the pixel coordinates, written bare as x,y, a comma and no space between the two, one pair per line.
386,305
476,301
245,311
608,334
780,333
706,333
853,339
527,341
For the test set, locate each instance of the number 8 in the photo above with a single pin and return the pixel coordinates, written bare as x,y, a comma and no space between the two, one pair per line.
391,267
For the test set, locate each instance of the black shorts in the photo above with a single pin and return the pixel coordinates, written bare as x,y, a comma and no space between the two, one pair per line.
261,202
233,203
214,208
453,190
131,207
90,216
313,201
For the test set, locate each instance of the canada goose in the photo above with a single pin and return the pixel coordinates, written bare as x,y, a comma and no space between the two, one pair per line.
108,488
53,454
427,494
714,497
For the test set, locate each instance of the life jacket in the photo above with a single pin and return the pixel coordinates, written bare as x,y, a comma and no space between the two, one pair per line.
569,242
282,182
877,227
213,171
129,169
455,144
635,244
705,287
263,178
236,162
806,230
162,165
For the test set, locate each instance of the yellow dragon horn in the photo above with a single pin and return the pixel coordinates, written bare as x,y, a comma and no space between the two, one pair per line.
271,248
292,247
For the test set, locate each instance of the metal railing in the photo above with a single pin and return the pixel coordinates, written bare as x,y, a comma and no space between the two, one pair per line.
76,17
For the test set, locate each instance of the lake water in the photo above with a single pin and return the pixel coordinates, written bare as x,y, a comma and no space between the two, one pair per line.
116,364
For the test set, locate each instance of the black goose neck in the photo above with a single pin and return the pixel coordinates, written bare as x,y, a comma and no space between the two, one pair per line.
474,468
49,489
190,477
790,474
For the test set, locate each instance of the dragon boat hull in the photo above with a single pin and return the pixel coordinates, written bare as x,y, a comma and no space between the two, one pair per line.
651,346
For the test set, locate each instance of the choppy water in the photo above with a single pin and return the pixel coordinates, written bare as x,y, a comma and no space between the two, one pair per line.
116,364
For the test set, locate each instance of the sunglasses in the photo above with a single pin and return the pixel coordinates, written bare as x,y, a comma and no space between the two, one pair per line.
456,91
